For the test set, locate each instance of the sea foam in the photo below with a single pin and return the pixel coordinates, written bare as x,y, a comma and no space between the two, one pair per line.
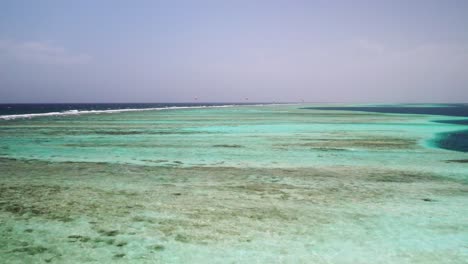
109,111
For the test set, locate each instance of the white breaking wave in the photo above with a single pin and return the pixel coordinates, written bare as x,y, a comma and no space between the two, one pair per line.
77,112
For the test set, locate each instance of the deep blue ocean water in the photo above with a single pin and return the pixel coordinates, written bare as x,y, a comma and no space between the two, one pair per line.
21,109
457,141
445,109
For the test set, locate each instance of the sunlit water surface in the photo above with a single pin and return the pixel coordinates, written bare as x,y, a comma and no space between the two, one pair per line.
245,184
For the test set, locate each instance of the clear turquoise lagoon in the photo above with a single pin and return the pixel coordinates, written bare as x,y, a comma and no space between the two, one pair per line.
241,184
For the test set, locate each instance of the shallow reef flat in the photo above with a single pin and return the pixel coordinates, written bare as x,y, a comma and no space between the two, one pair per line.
273,184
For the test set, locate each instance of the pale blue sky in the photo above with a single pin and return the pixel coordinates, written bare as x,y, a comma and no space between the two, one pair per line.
173,51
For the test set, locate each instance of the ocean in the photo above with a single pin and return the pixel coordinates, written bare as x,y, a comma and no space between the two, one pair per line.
13,111
457,140
215,183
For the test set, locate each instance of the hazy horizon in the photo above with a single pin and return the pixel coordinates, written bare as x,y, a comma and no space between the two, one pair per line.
239,102
267,51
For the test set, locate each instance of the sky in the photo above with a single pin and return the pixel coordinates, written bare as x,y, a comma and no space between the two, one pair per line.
227,51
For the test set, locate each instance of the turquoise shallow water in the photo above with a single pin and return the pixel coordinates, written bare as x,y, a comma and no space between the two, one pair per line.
453,140
277,184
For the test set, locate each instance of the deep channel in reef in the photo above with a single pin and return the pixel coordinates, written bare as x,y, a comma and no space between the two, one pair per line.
457,140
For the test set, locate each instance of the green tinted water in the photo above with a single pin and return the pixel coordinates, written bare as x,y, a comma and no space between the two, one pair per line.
272,184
